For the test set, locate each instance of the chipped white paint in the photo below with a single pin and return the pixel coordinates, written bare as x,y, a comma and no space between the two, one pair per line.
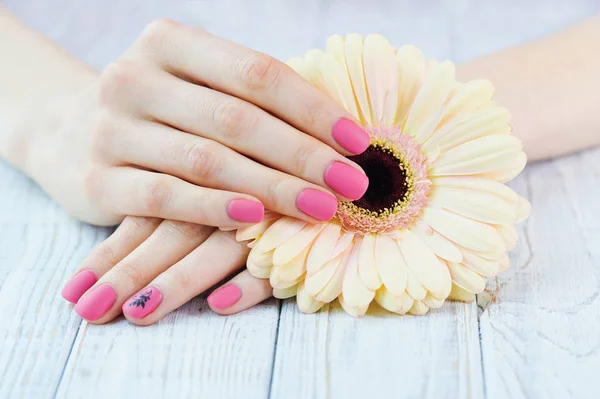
540,332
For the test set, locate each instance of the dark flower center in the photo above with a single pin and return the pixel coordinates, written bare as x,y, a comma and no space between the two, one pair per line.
387,179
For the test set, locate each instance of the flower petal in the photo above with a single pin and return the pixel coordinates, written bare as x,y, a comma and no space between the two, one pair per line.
414,288
480,155
504,263
333,288
285,292
466,232
317,281
367,266
343,243
469,97
466,278
507,173
354,291
277,282
477,205
313,69
433,302
485,122
440,246
299,242
253,231
458,294
424,265
509,234
418,309
293,269
259,264
322,248
431,96
483,266
352,310
391,265
306,303
281,231
476,183
393,303
411,73
524,210
381,78
338,83
354,62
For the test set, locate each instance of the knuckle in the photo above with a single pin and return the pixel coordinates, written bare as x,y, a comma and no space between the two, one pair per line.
130,270
181,277
92,182
315,111
178,230
260,72
301,158
155,195
274,194
157,30
116,78
202,160
234,118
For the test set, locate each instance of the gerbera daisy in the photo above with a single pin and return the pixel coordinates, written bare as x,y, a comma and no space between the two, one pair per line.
437,219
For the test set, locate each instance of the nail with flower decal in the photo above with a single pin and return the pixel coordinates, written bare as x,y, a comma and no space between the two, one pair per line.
143,303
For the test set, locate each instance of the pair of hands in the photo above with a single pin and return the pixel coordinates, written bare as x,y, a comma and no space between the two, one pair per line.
185,133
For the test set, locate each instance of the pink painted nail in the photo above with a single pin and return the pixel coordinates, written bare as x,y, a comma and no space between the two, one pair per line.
246,211
317,204
78,285
143,303
351,136
96,303
346,180
225,297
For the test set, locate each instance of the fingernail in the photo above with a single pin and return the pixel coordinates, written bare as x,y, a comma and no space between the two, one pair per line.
351,136
317,204
246,211
225,297
78,285
96,303
143,303
346,180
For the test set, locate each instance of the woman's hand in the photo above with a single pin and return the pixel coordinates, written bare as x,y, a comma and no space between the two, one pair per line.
190,127
150,267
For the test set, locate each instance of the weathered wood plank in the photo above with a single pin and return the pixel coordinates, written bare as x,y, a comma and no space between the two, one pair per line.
40,246
192,353
332,355
541,331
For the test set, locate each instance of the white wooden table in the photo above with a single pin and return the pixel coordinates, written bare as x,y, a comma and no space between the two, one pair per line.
534,333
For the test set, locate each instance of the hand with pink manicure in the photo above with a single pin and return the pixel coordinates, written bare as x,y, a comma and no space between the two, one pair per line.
189,127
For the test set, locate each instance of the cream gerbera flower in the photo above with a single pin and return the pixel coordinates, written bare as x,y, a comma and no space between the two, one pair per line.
436,220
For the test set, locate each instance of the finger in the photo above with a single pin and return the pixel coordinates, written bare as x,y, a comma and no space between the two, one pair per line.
251,131
240,293
131,233
254,77
169,243
218,257
210,164
144,193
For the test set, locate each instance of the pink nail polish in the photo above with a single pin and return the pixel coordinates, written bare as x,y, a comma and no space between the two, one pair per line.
96,303
246,211
351,136
317,204
78,285
143,303
225,297
346,180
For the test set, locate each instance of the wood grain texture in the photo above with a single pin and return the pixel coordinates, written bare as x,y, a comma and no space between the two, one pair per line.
332,355
192,353
40,246
541,331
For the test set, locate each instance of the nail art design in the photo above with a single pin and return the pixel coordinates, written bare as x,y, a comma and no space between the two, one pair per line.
143,303
141,298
